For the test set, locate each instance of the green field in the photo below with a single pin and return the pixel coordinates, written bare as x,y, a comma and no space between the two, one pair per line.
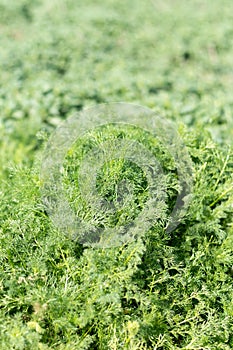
162,291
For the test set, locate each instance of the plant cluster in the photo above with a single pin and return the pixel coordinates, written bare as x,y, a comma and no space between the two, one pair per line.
161,291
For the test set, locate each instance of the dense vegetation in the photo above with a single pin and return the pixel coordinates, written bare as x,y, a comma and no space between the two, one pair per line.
161,291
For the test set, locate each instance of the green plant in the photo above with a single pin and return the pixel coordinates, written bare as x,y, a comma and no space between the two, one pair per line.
161,291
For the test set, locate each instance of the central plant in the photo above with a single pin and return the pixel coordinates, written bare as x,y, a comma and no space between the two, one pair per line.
119,190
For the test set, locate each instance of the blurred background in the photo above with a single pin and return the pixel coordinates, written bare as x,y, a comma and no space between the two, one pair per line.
57,57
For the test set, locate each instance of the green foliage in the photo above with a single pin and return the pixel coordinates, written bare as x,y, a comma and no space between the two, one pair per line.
162,291
121,184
